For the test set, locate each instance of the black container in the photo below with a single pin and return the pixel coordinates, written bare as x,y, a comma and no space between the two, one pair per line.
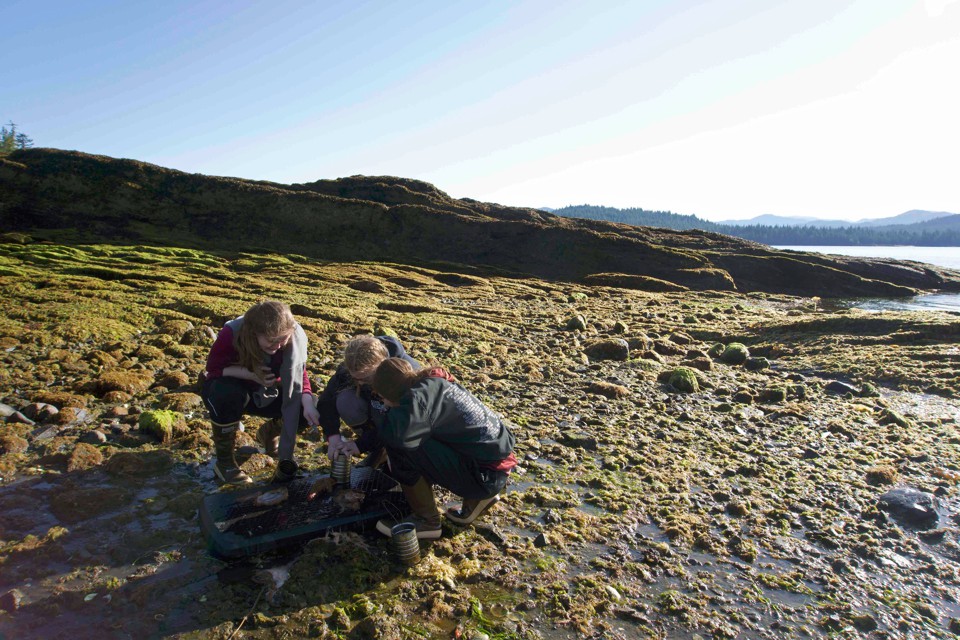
234,526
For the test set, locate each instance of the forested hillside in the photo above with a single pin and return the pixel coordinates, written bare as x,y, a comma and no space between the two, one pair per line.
941,232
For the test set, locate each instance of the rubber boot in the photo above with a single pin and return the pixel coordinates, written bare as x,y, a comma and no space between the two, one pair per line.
425,515
226,467
268,435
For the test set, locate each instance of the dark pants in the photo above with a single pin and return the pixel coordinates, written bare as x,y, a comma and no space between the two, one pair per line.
441,465
229,399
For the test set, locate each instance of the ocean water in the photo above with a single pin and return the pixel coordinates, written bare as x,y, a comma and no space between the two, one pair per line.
941,256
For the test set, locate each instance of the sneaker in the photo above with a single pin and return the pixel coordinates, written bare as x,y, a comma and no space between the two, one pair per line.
425,530
471,510
230,474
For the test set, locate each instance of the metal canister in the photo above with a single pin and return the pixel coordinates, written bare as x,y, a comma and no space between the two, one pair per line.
341,469
405,544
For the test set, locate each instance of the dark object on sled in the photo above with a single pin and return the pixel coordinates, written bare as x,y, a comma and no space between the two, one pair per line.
235,526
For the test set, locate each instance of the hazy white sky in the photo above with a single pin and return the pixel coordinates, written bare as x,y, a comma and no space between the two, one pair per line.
719,108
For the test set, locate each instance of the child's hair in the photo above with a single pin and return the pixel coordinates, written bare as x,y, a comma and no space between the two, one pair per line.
267,318
363,353
394,377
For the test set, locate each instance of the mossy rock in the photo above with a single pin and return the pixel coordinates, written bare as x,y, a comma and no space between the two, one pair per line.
128,381
180,402
773,394
702,364
203,336
176,328
381,330
614,349
609,390
84,456
576,323
139,464
147,352
889,416
684,379
756,364
716,350
631,281
13,237
735,353
882,474
868,390
162,423
174,380
61,399
367,286
10,443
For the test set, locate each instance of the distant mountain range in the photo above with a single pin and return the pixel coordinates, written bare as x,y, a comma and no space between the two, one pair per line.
908,217
915,227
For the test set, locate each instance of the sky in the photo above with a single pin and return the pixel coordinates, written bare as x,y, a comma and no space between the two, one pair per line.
725,109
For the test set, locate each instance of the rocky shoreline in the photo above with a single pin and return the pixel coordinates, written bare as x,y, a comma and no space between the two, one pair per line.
693,464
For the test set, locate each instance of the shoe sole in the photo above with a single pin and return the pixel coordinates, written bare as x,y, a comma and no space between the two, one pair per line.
479,510
219,476
421,535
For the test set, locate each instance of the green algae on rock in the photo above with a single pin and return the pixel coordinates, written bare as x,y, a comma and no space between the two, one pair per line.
763,507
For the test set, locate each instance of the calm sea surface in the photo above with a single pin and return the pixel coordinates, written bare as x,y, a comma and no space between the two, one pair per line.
941,256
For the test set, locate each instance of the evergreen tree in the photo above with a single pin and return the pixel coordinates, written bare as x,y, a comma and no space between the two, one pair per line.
11,139
8,139
23,141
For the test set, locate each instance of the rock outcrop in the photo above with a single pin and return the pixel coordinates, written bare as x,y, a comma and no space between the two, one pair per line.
69,196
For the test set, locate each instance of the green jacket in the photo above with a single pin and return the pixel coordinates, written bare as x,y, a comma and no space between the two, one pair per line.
437,409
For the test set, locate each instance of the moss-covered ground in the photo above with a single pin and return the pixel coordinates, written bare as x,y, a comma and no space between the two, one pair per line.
740,502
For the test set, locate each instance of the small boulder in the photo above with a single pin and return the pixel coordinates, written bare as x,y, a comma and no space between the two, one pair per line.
684,379
94,437
889,416
40,412
735,353
773,394
577,323
125,380
174,380
84,456
882,474
614,349
10,601
10,443
175,328
841,388
910,507
161,423
609,390
367,286
180,401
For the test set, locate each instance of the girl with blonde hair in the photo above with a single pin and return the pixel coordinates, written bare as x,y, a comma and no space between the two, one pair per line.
257,365
349,397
